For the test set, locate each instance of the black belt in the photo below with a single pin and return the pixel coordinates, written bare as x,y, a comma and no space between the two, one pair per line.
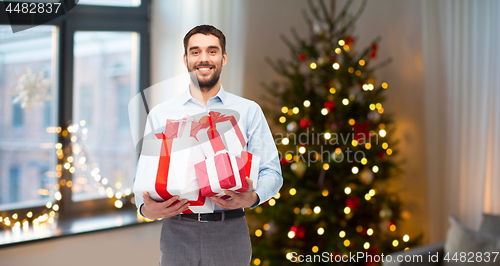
216,216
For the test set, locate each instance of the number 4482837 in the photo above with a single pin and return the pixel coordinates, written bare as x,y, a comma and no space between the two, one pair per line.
33,8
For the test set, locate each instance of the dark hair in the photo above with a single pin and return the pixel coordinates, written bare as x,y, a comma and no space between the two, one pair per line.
206,30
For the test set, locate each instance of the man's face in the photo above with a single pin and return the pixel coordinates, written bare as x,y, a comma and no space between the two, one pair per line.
205,59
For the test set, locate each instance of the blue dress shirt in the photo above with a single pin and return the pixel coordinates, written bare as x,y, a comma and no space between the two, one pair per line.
251,117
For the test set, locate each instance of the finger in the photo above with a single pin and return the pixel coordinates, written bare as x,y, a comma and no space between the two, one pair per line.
180,205
220,202
145,196
249,182
170,201
186,207
230,193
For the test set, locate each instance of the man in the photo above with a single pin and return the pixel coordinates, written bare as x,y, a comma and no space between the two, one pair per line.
221,238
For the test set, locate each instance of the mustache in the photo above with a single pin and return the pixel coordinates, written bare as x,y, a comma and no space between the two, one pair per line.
204,65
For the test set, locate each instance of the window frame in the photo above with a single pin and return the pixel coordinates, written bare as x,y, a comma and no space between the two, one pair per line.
89,18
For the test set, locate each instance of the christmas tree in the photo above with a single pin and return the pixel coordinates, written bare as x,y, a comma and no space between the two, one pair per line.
336,150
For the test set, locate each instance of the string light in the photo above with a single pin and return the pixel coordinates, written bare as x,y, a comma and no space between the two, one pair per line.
333,90
272,202
406,238
292,191
382,133
375,169
321,231
338,50
355,170
369,231
324,193
324,111
345,101
384,85
315,249
341,42
327,135
361,62
307,103
295,110
313,65
284,109
258,233
285,141
317,209
342,234
347,210
302,150
336,66
282,119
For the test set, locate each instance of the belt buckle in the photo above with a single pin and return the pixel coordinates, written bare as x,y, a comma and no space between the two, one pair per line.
200,220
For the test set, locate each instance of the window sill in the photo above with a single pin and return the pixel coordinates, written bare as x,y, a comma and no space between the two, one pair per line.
71,226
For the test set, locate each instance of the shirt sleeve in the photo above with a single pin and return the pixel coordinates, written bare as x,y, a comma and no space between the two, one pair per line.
150,128
261,143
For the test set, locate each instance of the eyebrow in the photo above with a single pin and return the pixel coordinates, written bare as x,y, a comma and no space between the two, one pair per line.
209,47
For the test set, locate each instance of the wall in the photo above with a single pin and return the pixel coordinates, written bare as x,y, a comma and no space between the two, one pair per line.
136,245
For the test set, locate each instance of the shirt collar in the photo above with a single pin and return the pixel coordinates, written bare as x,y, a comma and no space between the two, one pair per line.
186,95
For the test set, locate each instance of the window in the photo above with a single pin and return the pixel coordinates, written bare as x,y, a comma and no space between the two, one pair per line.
17,115
104,62
109,2
27,141
14,186
70,146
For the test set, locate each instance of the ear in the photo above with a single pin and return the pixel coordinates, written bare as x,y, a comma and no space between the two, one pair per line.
224,59
185,60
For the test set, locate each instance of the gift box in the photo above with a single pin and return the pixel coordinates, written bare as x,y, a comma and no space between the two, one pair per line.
166,167
221,172
218,132
251,165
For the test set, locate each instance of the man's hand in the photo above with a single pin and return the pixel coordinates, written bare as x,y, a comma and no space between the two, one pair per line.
238,200
155,210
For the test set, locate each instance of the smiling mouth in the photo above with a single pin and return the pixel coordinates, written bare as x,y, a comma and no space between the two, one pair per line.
204,69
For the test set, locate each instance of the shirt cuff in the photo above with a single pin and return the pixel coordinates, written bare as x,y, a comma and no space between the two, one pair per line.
257,202
140,210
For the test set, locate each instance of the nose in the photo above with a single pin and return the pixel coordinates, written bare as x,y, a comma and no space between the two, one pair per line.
204,57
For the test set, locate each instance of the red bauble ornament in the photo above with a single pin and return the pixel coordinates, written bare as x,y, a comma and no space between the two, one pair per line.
353,203
302,57
373,52
301,232
349,40
330,105
361,131
284,161
304,123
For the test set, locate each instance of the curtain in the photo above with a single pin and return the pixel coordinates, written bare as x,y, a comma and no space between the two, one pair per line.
462,102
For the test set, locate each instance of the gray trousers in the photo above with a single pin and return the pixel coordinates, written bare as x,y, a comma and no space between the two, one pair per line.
187,242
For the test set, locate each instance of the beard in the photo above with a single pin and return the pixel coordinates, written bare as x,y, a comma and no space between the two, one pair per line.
205,83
